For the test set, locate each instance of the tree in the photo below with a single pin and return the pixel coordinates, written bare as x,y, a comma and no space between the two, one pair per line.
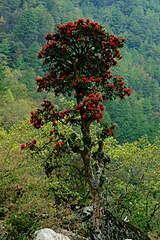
78,58
133,189
26,29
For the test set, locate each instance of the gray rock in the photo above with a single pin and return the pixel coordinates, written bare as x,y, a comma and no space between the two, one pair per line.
49,234
87,211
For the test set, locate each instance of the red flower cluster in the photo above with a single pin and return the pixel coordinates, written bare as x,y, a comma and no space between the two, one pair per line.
60,147
58,144
90,63
90,108
70,28
40,116
28,145
45,82
22,146
83,79
128,91
36,120
110,133
79,56
93,106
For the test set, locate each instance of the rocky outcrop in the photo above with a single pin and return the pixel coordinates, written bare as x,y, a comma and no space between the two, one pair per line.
119,230
114,230
49,234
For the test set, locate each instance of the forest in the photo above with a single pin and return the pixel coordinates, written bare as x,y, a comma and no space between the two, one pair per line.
36,192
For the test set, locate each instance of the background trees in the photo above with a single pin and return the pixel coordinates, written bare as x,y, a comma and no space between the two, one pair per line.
140,66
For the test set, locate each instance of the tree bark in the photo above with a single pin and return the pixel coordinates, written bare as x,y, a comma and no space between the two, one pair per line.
97,200
94,186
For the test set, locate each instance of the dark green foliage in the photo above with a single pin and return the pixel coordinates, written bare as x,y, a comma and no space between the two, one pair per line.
26,29
24,23
22,225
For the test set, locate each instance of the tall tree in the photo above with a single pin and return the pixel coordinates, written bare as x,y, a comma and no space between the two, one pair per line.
78,58
26,29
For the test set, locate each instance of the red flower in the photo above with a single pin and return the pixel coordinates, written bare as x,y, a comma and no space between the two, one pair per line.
64,48
22,146
80,20
117,77
34,141
91,95
98,80
62,26
121,83
110,85
85,25
38,79
79,105
39,55
128,91
99,120
63,77
102,107
51,138
87,20
67,151
74,84
112,43
83,116
76,144
47,45
53,122
110,132
57,153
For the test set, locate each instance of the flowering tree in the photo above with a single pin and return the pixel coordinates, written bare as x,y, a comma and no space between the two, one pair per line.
78,58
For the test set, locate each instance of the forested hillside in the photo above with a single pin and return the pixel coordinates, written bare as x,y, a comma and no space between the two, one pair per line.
23,26
132,182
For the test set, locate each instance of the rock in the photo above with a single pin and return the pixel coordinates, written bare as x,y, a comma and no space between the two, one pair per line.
49,234
71,235
114,229
120,230
87,211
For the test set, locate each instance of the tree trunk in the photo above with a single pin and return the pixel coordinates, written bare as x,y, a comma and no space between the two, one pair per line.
104,225
98,217
94,185
97,200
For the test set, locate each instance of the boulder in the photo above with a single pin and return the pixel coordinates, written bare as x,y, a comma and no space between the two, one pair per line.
119,230
49,234
114,229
